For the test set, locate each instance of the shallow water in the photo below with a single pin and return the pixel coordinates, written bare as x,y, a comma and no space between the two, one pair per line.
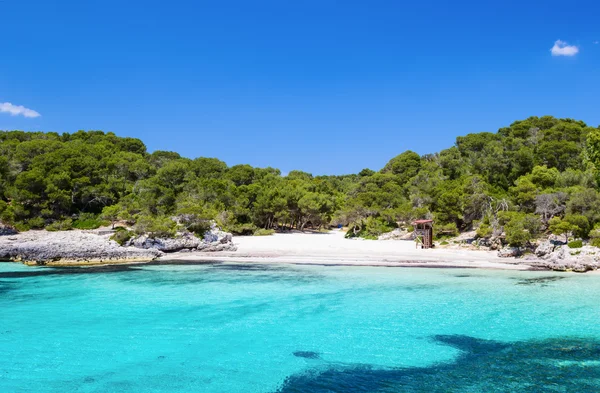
286,328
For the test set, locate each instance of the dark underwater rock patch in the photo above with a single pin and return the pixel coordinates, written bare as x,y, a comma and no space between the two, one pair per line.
307,354
50,271
541,281
555,365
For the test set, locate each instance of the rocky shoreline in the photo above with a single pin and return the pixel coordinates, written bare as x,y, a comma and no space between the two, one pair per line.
79,247
545,254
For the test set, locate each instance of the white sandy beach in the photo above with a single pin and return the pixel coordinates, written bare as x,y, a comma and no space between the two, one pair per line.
333,249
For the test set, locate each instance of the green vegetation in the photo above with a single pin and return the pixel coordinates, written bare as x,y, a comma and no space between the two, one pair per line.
121,235
537,175
575,244
263,232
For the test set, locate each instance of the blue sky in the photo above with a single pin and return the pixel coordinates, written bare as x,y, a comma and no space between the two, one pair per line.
329,87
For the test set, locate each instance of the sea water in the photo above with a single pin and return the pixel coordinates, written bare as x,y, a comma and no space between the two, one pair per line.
227,327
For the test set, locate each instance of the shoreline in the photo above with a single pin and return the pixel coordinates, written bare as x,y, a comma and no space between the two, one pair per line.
332,249
85,249
340,262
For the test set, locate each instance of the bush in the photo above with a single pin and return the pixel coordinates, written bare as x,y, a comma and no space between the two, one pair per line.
21,227
121,235
581,225
36,223
155,226
87,221
264,232
516,234
7,214
484,231
371,228
575,244
195,224
519,228
240,229
64,225
447,230
595,242
444,243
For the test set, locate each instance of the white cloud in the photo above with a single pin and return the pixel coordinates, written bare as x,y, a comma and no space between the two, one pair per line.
561,48
15,110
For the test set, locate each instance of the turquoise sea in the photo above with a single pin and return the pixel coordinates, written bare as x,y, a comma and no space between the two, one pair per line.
227,327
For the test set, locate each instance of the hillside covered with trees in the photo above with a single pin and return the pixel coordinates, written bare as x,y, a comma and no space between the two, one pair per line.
537,175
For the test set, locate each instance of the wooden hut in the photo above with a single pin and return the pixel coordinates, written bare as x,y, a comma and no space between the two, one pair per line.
424,233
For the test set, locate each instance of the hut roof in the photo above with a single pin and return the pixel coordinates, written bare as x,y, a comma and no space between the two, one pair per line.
422,221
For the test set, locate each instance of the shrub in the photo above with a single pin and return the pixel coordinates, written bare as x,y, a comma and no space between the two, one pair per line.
87,221
484,231
370,228
64,225
121,235
375,227
7,214
36,223
444,243
558,226
240,229
581,225
575,244
595,236
21,227
155,226
263,232
447,230
519,228
516,234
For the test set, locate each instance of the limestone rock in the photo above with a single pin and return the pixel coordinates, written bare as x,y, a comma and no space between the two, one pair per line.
508,252
468,237
545,248
180,242
578,260
69,247
6,230
396,234
213,240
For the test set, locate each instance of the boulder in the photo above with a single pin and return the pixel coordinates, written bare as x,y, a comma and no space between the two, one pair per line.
468,237
578,260
396,234
213,240
544,249
7,230
179,242
216,235
509,252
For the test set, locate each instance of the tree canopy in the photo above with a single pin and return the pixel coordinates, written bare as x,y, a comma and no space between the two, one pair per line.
541,169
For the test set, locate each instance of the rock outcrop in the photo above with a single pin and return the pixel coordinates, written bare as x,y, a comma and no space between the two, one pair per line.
6,230
564,258
544,248
214,240
397,234
69,248
509,252
78,247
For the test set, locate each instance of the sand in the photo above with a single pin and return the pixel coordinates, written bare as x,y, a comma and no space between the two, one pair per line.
333,249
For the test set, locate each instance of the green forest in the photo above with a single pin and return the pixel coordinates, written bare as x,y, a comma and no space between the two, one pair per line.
536,176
